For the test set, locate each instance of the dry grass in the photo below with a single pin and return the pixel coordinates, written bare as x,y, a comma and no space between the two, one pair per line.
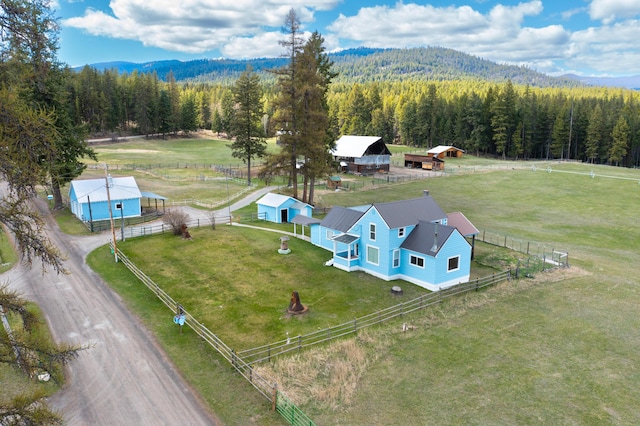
327,376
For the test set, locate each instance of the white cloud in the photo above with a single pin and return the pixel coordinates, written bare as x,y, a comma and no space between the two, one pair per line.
608,11
498,35
608,49
196,26
257,46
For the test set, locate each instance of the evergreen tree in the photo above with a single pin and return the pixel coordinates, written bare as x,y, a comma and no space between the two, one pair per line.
246,125
288,103
560,134
165,114
504,119
188,114
620,137
227,112
594,134
314,75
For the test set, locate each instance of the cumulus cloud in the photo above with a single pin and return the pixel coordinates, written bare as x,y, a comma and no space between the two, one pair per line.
607,49
195,26
252,28
498,35
608,11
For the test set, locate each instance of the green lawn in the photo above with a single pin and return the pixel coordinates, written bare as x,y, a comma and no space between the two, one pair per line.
563,350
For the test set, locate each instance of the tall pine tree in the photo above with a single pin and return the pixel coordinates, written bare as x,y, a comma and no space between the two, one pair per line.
246,125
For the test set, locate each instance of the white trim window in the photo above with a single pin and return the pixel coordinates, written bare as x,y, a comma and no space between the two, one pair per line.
396,258
373,255
417,261
401,232
453,263
372,231
329,234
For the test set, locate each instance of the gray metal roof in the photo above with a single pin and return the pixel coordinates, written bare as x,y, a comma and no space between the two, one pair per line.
423,238
341,218
398,214
304,220
345,238
152,195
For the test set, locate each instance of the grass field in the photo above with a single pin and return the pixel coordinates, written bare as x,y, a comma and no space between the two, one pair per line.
561,349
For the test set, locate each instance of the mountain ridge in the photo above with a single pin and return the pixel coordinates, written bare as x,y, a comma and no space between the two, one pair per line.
365,64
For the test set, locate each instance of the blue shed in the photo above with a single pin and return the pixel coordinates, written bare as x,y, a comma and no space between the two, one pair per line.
88,198
279,208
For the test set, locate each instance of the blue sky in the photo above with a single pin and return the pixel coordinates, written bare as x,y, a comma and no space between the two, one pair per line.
586,37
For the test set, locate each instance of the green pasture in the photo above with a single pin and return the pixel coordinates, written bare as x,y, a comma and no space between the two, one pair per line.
234,281
560,349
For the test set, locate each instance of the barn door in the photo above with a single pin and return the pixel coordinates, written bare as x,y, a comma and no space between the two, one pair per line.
284,216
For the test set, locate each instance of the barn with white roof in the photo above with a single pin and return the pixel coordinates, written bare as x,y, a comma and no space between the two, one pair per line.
363,155
88,198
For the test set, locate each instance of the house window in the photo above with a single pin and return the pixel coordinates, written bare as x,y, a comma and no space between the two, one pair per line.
396,258
372,231
372,255
400,232
329,234
417,261
454,264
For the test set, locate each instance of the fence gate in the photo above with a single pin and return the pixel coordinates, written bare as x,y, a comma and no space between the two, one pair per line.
290,412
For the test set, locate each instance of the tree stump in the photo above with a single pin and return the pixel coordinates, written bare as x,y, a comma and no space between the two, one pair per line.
295,307
185,233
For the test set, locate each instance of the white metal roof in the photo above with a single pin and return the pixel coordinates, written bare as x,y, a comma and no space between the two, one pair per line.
353,146
273,200
123,188
442,148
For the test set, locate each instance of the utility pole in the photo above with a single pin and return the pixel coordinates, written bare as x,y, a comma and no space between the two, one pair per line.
109,183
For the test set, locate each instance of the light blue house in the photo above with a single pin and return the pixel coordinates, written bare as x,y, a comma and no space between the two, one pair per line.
281,208
406,240
88,198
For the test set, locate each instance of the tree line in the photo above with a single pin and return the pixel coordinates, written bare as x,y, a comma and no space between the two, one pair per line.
596,125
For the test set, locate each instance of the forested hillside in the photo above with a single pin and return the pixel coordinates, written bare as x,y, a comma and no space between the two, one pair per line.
357,65
481,107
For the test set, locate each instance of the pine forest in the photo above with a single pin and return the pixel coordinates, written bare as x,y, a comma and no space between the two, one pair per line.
482,116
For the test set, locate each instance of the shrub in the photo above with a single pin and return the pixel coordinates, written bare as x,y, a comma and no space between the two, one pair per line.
175,219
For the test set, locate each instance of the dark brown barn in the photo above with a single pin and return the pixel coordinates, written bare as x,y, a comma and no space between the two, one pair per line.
422,161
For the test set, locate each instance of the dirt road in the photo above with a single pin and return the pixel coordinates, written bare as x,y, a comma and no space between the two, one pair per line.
125,378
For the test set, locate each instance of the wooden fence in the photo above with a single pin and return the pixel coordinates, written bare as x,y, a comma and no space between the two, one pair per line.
243,361
296,344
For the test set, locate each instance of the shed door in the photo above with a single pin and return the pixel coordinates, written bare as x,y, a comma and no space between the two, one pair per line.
284,216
